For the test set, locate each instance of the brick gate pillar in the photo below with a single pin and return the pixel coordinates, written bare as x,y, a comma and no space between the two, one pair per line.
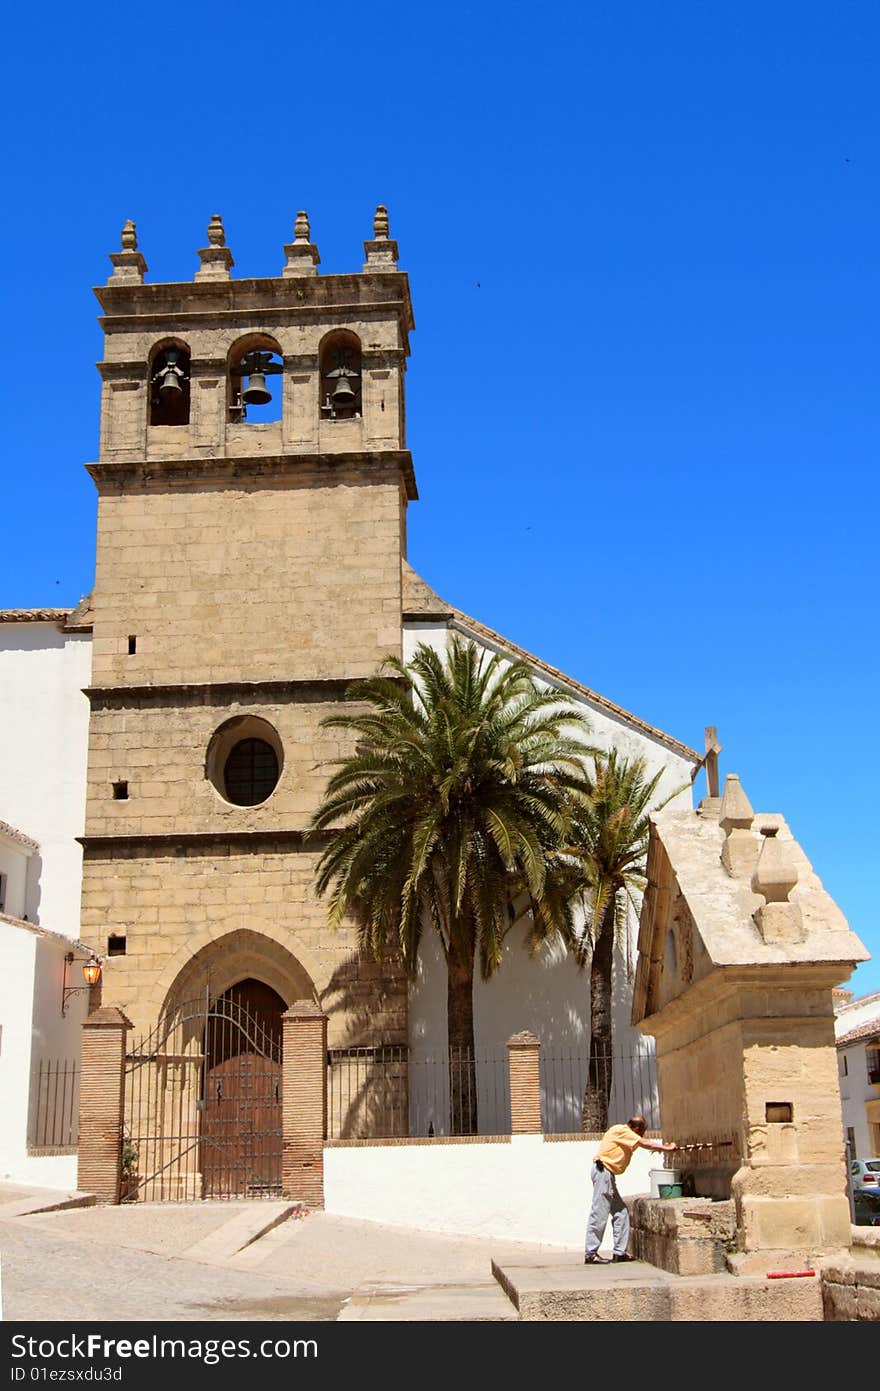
523,1060
101,1101
303,1102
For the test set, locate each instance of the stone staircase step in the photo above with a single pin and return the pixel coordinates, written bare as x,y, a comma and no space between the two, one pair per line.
639,1292
472,1303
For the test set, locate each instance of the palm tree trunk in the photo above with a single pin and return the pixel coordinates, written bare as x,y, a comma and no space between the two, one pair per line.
460,1027
599,1076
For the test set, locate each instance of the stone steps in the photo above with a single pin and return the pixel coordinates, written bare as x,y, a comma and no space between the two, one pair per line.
483,1302
638,1292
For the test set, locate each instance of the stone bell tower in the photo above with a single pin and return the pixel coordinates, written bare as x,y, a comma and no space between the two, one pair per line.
248,569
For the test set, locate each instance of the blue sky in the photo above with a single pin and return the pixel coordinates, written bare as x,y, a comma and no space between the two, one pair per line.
643,397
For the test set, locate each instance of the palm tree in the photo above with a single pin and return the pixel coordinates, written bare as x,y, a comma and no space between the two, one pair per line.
607,849
458,791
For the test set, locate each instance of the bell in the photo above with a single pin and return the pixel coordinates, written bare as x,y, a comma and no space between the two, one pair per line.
169,385
256,393
342,393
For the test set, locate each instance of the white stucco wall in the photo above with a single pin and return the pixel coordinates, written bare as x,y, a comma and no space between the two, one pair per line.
547,994
43,749
855,1088
18,953
525,1189
34,1031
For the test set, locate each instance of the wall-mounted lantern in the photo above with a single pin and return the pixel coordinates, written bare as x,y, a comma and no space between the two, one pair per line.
91,975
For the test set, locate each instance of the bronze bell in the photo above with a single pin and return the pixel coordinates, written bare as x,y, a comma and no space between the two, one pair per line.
169,384
343,395
256,393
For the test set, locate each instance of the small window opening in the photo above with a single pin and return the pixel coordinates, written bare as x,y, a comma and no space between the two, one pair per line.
120,791
169,388
132,645
254,396
341,378
769,831
778,1112
116,944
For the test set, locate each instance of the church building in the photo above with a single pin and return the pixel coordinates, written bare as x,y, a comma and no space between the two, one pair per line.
253,483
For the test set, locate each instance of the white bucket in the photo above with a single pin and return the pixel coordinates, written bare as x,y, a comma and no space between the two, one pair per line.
664,1177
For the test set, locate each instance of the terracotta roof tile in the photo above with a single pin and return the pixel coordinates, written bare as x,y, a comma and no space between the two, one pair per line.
12,833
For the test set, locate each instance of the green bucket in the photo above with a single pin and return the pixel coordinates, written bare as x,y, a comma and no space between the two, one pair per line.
670,1190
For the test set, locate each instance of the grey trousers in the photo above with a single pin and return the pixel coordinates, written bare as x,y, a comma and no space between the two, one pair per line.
606,1202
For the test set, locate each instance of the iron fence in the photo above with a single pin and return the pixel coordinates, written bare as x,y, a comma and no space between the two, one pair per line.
394,1093
53,1118
629,1080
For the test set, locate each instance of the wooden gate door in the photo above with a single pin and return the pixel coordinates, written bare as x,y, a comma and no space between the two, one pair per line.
241,1106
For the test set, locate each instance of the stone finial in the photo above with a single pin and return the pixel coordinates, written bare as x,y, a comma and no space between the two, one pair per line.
382,250
302,254
216,234
779,920
776,871
128,264
736,809
215,258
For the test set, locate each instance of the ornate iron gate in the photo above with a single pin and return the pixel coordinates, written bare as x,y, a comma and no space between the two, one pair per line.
203,1102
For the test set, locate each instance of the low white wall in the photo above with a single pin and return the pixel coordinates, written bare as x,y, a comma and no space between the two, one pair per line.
48,1171
525,1189
34,1031
18,949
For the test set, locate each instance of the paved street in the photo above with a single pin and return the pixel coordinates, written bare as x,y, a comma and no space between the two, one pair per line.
198,1261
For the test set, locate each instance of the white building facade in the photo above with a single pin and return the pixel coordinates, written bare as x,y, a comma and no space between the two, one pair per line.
44,666
857,1029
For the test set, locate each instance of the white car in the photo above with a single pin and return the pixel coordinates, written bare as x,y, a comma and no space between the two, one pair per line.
865,1173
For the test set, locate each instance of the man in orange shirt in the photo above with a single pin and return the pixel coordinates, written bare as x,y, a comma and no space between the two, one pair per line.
615,1151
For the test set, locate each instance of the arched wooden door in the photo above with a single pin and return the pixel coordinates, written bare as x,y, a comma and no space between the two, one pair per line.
240,1140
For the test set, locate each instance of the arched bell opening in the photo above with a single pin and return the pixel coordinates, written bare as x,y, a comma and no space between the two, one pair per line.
254,376
340,370
169,379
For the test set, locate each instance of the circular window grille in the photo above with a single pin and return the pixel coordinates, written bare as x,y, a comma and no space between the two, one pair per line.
251,773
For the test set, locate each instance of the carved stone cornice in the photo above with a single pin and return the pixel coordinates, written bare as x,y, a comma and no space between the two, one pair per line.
143,474
141,846
314,691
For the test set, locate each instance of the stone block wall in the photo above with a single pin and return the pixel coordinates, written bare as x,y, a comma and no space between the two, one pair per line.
851,1283
159,746
213,914
686,1236
285,578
